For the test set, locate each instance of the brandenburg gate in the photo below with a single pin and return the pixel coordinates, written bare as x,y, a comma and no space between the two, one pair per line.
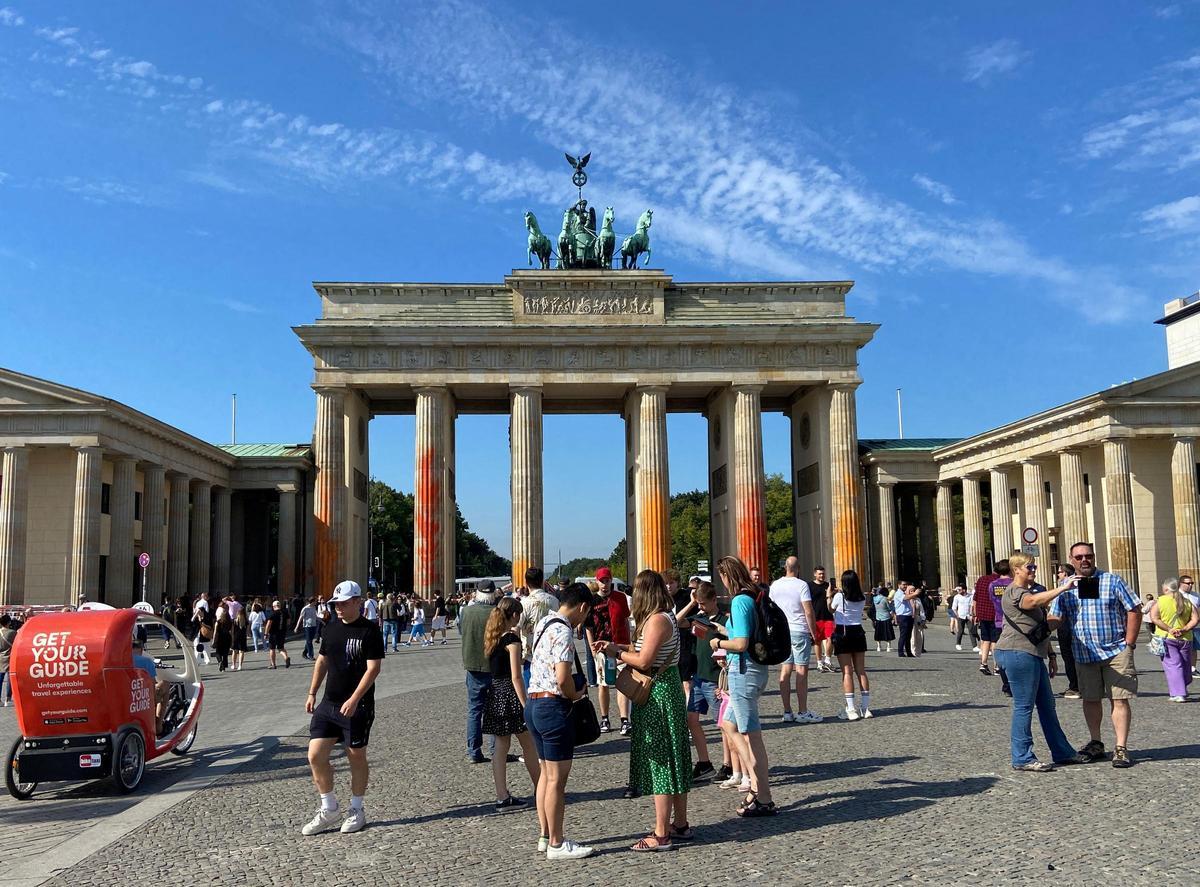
590,340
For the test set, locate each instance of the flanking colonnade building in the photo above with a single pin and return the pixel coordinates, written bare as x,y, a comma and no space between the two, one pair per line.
86,483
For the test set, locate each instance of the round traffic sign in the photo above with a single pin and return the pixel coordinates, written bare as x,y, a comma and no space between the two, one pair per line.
1030,535
143,560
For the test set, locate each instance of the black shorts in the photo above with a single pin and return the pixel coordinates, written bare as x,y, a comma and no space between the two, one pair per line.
276,641
849,639
328,722
989,631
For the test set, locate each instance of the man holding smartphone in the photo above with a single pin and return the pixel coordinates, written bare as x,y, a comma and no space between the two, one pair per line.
1105,618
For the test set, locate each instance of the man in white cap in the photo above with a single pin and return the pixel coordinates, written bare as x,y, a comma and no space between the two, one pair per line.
351,655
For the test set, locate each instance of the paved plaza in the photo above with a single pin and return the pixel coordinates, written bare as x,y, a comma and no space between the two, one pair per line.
921,794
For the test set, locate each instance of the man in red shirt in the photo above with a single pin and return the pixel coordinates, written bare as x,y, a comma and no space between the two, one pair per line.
983,614
609,621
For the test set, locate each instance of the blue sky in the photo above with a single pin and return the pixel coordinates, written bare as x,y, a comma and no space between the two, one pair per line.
1013,186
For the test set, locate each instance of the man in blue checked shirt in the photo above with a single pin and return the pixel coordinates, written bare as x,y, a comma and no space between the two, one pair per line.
1105,630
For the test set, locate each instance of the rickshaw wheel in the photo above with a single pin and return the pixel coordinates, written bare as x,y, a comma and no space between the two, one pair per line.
22,791
129,761
185,744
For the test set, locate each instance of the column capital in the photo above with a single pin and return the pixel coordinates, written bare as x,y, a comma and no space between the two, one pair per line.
748,388
885,484
652,389
89,449
287,488
1000,468
531,387
851,387
1183,438
1029,462
433,388
200,484
946,482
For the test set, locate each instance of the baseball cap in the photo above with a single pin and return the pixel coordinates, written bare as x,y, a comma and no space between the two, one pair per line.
604,573
345,591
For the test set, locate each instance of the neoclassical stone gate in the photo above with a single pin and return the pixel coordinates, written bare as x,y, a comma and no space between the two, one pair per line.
634,343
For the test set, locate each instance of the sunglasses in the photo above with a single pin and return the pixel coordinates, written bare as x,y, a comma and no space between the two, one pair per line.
1083,557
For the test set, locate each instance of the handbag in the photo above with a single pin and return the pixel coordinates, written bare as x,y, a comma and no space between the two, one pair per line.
206,631
1040,633
1157,647
636,685
584,723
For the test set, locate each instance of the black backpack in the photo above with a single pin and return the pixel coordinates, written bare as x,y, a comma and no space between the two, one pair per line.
771,637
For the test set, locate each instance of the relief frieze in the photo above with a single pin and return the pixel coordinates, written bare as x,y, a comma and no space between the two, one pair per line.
587,305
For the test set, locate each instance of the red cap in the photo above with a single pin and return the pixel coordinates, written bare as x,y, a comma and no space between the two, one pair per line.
603,573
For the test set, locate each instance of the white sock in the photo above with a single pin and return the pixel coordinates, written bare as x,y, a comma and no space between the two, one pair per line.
356,802
849,701
866,700
328,802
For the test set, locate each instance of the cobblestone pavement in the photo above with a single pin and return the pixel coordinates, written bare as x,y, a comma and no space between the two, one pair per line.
923,793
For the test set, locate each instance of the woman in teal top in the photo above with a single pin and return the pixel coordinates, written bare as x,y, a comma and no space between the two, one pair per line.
747,680
884,632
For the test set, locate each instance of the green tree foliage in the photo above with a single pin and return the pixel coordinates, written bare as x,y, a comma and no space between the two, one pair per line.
780,526
392,531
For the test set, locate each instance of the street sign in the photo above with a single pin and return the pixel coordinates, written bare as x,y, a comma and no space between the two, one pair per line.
143,560
1030,535
702,566
1031,549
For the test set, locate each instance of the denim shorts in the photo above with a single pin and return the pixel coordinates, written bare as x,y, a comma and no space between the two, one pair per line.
549,722
703,698
802,644
746,684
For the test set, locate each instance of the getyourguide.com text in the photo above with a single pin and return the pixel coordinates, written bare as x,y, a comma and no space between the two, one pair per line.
54,656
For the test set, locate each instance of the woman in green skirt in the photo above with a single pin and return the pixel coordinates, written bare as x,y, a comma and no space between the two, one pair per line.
660,759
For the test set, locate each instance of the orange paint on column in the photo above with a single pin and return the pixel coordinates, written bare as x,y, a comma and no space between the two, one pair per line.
427,523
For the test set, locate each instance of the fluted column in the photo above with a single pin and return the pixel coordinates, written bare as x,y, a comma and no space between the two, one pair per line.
1002,537
1185,494
178,510
525,444
85,535
846,500
652,493
200,540
927,528
430,525
1033,503
329,494
218,562
887,532
973,529
945,525
1118,510
154,529
14,521
749,478
286,563
119,582
1074,500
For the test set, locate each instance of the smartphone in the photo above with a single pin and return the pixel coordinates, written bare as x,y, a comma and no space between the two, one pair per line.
701,619
1089,588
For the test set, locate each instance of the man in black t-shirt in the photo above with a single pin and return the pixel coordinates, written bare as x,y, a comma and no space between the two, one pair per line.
351,656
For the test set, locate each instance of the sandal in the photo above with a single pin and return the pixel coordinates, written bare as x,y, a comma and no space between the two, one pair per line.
652,844
757,808
686,833
751,798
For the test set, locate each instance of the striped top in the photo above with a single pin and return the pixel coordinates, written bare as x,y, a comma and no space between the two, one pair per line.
668,653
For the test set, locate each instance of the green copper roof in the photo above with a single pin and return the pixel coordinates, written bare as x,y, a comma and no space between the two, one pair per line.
907,443
267,451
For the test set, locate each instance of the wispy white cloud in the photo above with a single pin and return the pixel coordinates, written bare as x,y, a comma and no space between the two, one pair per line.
1179,215
935,189
982,64
10,17
240,307
101,191
1170,11
213,179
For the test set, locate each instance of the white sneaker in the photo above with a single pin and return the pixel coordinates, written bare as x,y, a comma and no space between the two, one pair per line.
732,782
1178,699
356,821
866,713
958,647
543,843
848,714
568,850
788,717
323,821
808,717
974,649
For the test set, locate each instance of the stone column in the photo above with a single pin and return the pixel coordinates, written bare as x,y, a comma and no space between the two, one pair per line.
652,492
178,508
14,521
945,524
1002,537
927,525
286,563
973,529
119,582
1118,511
218,563
430,526
525,444
1033,503
154,529
237,545
85,535
849,549
1185,494
887,532
200,539
1074,500
749,478
329,496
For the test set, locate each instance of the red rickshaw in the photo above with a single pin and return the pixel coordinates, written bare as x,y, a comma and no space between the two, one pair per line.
86,710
